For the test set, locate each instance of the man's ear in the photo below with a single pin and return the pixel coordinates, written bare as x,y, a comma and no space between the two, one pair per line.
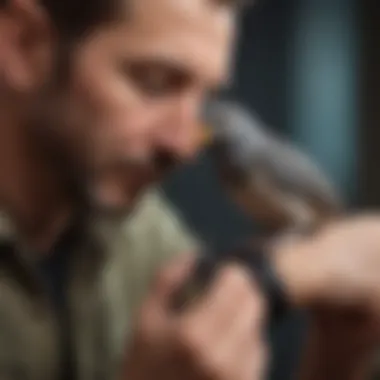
27,39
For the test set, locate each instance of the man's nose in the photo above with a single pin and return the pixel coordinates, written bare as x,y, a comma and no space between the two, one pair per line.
181,133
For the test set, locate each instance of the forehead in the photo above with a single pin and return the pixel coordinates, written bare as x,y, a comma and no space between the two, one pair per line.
194,33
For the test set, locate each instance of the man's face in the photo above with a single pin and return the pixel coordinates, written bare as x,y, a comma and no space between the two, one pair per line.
131,103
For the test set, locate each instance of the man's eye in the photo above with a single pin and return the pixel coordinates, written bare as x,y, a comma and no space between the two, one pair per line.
156,80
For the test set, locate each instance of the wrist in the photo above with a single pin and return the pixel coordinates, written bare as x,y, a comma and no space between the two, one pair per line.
301,280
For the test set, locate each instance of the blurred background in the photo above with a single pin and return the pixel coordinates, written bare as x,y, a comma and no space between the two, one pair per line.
310,69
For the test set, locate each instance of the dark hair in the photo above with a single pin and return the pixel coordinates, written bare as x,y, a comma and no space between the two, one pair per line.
76,17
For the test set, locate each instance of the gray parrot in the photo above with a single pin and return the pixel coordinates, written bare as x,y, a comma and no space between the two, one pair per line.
272,180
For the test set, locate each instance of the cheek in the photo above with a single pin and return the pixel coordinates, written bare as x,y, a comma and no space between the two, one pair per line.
117,119
123,131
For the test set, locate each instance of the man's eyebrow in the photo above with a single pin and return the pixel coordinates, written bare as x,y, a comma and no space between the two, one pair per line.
179,67
165,63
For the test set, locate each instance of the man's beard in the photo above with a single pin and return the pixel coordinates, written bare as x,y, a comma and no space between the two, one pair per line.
80,180
70,176
49,131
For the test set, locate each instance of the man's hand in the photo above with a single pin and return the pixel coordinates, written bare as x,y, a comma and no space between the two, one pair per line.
337,266
219,337
336,274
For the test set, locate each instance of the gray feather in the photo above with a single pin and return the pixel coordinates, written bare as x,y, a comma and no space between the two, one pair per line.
245,145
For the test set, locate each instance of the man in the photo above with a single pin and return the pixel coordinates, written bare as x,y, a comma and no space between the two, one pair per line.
97,100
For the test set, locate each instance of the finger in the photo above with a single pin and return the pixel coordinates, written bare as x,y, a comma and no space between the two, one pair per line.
247,331
260,363
252,364
219,306
248,325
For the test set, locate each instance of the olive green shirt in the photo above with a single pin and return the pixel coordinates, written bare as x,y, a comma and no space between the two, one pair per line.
110,272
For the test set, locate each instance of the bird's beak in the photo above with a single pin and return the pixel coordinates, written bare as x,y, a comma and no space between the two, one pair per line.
201,139
206,135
